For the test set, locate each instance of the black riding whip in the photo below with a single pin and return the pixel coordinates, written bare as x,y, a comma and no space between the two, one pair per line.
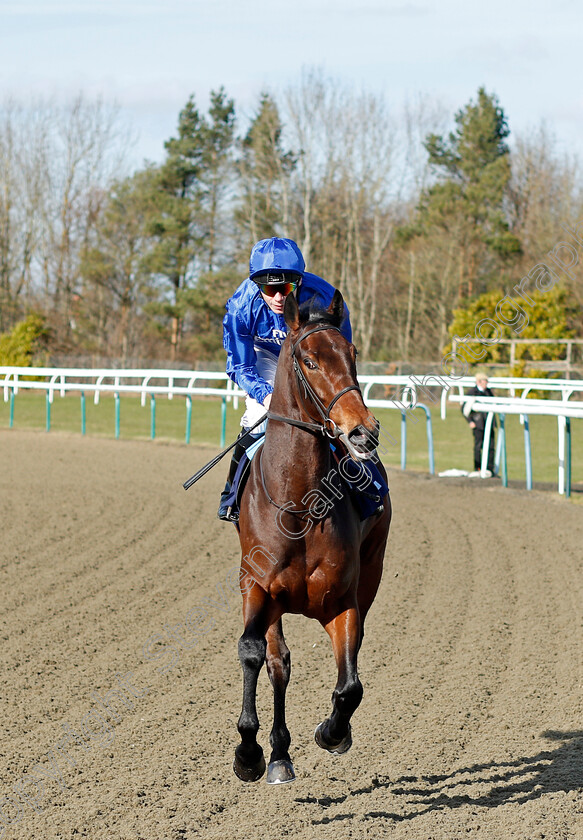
203,470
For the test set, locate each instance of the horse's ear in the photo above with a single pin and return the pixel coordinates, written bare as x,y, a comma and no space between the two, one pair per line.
336,308
291,312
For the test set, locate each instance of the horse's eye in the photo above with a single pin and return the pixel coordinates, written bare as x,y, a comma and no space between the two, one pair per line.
311,365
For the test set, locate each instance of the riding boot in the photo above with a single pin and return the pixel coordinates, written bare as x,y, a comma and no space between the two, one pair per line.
224,511
227,512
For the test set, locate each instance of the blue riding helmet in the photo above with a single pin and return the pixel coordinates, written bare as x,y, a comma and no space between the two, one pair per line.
275,254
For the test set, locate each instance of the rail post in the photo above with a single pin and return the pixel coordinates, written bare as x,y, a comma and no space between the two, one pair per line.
117,413
223,421
152,416
561,433
429,428
503,461
527,453
188,418
486,442
568,458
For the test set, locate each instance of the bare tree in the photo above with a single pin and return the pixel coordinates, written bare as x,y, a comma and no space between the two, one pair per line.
8,193
23,159
85,152
545,190
420,116
345,189
112,269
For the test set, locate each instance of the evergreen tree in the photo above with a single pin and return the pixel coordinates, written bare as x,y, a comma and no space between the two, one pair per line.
474,169
265,170
19,347
204,307
460,238
218,134
175,211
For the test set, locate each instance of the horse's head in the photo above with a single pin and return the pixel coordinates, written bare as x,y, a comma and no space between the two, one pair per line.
325,366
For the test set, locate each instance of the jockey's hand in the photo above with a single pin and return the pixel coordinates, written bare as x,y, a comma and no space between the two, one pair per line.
472,424
266,401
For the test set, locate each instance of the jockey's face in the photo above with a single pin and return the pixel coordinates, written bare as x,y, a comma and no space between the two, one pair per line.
275,303
275,294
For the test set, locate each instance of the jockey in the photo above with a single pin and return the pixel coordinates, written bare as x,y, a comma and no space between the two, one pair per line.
254,330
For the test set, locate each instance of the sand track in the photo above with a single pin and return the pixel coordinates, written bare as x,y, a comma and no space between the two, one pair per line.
471,723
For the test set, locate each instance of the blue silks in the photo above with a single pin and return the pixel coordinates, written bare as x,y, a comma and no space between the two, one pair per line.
250,328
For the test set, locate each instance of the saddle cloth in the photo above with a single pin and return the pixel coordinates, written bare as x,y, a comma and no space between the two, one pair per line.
366,501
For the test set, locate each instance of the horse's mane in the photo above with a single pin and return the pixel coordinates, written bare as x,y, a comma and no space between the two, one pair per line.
312,312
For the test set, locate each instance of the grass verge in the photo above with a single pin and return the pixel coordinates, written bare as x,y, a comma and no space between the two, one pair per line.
453,440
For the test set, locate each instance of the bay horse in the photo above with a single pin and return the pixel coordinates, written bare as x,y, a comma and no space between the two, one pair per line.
325,566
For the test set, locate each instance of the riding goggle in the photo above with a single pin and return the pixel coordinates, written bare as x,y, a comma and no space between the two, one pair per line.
285,288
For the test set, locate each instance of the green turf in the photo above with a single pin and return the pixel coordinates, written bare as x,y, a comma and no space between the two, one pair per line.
453,438
453,444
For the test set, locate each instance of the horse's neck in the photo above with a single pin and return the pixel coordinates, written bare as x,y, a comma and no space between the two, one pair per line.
300,457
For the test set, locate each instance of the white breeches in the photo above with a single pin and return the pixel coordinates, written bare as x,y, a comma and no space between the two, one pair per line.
266,365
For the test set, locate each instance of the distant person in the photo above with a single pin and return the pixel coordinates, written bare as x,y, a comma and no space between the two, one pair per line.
477,421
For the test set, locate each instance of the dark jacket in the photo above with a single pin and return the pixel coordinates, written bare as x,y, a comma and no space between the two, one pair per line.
478,417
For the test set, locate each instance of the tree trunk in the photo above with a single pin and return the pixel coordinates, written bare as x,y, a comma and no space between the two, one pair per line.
410,296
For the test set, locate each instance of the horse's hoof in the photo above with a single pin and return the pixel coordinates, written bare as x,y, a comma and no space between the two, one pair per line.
249,774
280,772
336,749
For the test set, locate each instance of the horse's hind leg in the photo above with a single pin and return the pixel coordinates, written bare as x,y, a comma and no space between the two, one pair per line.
249,764
334,734
279,667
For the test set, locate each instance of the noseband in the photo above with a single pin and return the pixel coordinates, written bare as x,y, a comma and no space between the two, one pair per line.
328,426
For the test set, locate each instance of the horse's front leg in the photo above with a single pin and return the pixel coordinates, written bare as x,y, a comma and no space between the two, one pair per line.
249,764
334,733
280,768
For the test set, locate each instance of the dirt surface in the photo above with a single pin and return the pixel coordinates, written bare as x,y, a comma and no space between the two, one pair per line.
471,723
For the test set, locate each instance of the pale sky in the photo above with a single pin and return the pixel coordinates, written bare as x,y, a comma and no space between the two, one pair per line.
150,56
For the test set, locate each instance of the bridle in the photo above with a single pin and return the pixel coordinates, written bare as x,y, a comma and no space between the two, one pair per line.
328,427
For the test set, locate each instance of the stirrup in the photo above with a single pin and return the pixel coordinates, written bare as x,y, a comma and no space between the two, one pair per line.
374,497
228,514
225,511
